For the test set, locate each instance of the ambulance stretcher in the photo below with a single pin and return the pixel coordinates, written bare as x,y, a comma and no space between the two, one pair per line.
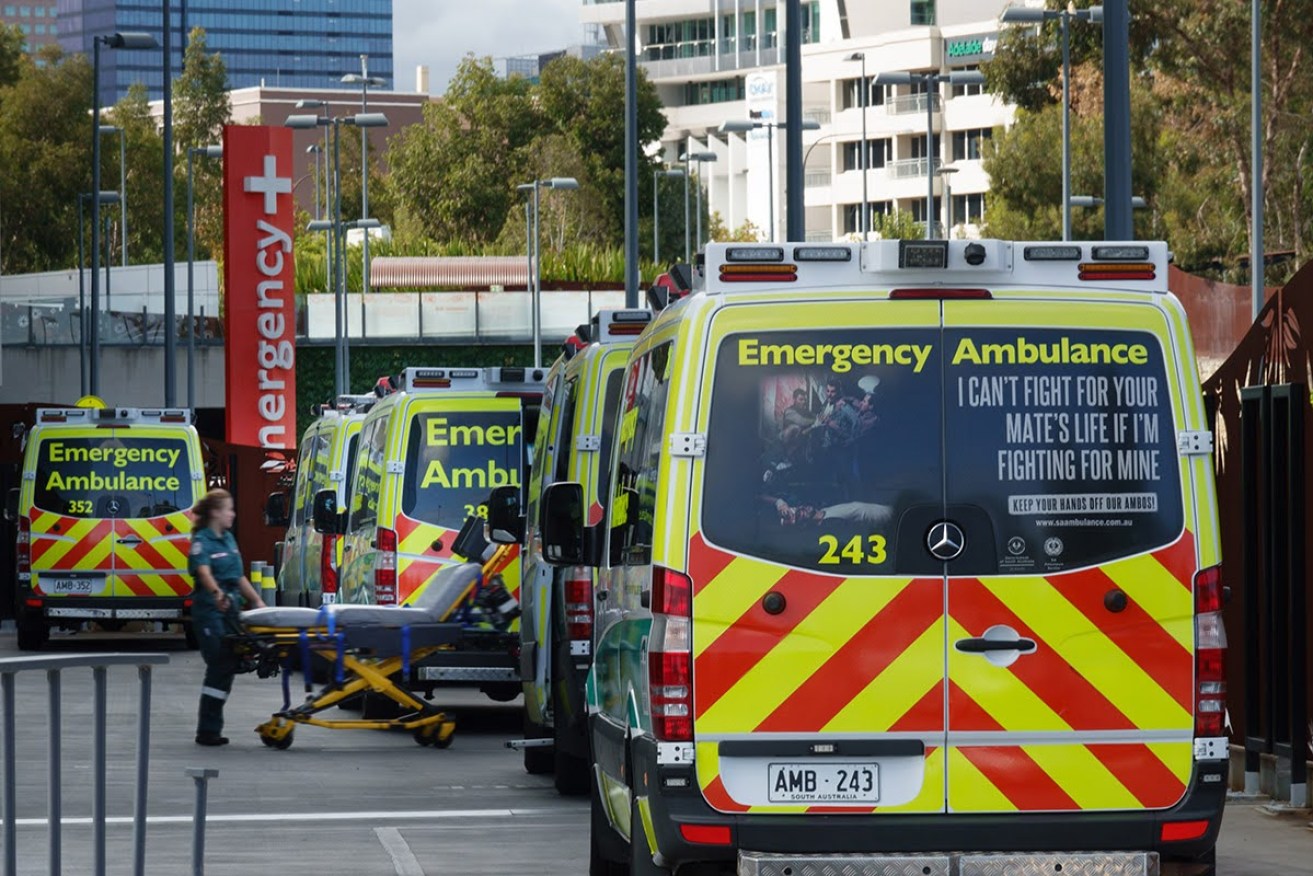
371,649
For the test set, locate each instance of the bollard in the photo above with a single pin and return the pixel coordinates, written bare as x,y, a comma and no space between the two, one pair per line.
257,575
268,585
202,776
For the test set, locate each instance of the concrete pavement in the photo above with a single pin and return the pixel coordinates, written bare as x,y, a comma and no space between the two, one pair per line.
361,803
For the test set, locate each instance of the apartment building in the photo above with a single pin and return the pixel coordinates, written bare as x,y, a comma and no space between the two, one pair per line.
718,61
35,20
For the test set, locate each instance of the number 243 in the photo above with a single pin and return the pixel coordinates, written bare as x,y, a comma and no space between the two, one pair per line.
859,549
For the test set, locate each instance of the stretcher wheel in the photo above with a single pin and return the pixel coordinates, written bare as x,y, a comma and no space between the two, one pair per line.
446,735
285,742
423,736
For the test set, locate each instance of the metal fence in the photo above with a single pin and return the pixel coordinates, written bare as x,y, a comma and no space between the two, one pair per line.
53,666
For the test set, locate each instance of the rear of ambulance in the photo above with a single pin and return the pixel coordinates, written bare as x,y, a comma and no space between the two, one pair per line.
951,596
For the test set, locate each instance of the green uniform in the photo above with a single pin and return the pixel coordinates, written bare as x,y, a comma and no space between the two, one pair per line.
220,553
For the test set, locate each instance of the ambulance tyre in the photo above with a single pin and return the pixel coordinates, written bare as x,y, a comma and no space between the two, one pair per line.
32,634
570,772
1205,865
605,847
538,761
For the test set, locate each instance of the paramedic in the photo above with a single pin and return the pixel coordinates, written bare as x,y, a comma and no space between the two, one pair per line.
216,567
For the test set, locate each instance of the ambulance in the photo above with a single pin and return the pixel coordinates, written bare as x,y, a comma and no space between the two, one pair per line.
429,455
911,566
309,563
575,428
104,519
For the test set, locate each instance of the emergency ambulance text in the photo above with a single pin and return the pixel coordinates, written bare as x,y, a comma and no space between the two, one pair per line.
840,357
119,457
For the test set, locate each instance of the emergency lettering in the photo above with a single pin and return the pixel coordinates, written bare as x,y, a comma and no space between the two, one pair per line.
840,358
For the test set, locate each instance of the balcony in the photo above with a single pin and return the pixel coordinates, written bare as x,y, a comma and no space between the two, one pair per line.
815,179
675,68
911,167
911,103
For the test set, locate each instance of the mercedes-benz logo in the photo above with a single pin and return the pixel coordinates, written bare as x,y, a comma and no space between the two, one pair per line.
113,508
946,541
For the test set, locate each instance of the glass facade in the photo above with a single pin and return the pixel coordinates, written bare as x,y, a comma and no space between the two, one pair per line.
306,44
37,23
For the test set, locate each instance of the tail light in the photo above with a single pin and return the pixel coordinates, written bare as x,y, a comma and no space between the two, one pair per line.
1210,649
328,565
385,567
24,546
670,656
579,610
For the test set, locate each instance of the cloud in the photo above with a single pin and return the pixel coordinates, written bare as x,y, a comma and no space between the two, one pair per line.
439,33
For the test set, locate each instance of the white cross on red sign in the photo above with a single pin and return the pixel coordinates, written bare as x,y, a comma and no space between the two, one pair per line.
271,185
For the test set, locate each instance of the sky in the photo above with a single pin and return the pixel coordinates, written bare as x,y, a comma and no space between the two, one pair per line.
439,33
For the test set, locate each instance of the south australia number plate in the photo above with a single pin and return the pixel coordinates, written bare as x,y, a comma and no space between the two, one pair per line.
824,783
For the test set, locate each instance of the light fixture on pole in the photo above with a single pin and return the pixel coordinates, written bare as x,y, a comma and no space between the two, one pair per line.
656,208
737,126
1137,202
126,41
364,80
701,158
929,81
1094,15
204,152
865,217
556,182
105,131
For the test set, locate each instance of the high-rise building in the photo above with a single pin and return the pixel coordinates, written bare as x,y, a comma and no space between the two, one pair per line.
305,44
717,61
36,21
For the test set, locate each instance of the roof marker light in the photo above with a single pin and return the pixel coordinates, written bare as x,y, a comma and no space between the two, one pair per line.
822,254
1121,253
1052,253
754,254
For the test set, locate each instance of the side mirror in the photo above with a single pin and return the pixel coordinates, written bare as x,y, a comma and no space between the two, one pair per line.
276,512
563,524
11,505
324,514
505,519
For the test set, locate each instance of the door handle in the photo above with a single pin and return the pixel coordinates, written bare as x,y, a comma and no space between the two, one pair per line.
985,646
131,540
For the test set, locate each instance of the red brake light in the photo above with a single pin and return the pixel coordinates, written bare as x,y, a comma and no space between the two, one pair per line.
328,564
579,609
24,544
672,593
1209,657
1180,831
706,834
670,658
385,567
938,294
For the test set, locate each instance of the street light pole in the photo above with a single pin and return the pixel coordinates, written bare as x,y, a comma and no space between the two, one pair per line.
170,280
365,80
742,127
537,282
701,158
688,253
865,223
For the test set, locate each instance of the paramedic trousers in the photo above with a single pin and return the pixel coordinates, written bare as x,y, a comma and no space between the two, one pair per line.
220,665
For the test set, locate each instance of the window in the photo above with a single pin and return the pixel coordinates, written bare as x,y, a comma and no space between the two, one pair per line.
918,210
966,144
373,451
877,154
565,432
610,405
811,22
852,223
716,91
455,458
850,95
813,467
918,147
969,209
633,512
117,476
923,12
302,493
967,90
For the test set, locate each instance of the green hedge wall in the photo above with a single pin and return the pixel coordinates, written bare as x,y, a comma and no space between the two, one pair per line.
314,368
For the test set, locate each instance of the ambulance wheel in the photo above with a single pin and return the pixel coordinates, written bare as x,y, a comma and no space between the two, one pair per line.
605,847
640,856
32,634
1205,865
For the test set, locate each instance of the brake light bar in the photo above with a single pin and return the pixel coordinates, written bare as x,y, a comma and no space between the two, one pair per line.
938,294
328,565
385,568
670,661
1209,656
579,610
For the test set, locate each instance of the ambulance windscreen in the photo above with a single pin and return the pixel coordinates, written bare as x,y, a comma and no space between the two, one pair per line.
818,444
112,477
455,458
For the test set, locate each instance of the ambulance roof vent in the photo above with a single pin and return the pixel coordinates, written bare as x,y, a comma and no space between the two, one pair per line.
414,380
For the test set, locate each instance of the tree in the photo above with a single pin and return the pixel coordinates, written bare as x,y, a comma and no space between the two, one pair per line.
145,172
454,172
45,148
201,110
12,56
585,101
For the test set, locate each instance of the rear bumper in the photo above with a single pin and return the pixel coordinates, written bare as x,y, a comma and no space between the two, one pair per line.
807,835
126,608
478,658
1028,864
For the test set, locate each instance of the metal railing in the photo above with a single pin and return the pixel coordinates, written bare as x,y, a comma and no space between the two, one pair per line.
54,324
911,167
815,179
53,666
910,103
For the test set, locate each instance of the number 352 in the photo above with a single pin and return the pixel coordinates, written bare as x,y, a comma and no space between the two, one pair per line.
859,550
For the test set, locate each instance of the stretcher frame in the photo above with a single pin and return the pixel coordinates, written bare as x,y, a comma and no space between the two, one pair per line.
361,665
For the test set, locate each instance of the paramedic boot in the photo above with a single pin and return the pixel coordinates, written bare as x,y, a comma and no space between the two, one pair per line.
209,725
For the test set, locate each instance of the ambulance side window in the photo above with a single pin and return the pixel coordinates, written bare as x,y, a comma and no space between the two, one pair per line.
565,432
302,496
642,427
540,458
364,500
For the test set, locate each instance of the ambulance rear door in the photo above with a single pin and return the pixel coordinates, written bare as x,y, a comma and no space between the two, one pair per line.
1068,542
818,617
